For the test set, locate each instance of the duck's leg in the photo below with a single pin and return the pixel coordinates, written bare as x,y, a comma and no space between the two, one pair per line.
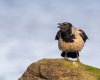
66,58
64,54
78,56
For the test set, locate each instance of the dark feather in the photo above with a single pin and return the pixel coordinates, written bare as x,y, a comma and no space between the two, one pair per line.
58,35
69,54
83,35
67,36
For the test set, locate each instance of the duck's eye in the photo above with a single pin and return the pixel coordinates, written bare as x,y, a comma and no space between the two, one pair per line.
64,24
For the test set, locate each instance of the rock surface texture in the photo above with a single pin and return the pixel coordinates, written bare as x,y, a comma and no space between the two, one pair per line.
59,69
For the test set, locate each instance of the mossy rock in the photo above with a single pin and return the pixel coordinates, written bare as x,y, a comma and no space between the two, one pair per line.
60,69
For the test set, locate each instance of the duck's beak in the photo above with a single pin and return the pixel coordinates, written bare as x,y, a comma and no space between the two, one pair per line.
59,25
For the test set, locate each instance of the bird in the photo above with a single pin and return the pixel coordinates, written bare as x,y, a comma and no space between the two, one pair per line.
71,40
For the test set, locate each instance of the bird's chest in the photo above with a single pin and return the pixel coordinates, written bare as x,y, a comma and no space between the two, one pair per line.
70,43
67,37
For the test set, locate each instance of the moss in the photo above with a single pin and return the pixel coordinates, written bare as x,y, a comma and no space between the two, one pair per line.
92,71
98,78
45,59
64,70
74,65
82,67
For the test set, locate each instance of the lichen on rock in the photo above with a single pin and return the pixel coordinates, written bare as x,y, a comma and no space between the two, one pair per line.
59,69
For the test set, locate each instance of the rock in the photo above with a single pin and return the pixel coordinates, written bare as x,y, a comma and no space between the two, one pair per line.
59,69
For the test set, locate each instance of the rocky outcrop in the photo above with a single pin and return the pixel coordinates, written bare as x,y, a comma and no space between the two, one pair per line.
59,69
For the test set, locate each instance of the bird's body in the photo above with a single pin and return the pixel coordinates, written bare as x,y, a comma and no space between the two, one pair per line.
70,40
76,45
